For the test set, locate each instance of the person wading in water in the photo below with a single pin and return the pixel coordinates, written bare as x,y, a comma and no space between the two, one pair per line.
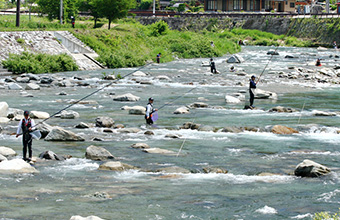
25,127
252,87
149,111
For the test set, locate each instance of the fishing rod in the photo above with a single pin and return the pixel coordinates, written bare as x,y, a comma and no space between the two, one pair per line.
180,96
301,112
94,92
275,51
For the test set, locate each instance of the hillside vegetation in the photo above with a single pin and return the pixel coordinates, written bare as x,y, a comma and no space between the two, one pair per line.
130,44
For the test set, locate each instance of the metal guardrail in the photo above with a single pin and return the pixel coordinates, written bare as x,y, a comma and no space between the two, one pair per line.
234,14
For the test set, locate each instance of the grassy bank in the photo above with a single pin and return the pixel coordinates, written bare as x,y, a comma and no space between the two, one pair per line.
130,44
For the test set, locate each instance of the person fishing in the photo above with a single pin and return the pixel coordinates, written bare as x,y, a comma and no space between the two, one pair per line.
212,66
149,111
318,62
252,87
25,127
158,58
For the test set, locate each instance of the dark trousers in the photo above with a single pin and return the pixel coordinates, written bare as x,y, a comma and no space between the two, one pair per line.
252,96
149,120
158,60
27,143
213,69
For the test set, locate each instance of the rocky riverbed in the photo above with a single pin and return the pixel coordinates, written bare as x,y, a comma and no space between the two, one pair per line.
204,154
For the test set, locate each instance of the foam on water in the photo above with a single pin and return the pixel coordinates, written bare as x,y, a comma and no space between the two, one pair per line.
237,179
74,164
303,216
266,210
330,197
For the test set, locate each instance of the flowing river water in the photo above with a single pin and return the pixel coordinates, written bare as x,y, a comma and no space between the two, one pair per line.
62,189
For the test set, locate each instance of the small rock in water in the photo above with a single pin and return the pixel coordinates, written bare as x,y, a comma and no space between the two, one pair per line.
309,168
82,125
140,145
62,93
280,129
50,155
149,133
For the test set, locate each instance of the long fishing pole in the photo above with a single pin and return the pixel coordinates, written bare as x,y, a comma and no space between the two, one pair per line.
94,92
301,112
275,51
180,96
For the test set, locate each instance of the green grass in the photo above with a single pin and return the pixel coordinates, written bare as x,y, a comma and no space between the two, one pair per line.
130,44
39,63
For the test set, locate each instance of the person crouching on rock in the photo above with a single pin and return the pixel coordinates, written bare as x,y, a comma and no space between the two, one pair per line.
149,111
25,127
318,62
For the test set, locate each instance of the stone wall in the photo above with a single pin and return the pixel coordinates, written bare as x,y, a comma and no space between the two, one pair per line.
311,28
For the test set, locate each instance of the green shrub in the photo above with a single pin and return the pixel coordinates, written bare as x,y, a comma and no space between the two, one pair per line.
326,216
159,28
20,41
39,63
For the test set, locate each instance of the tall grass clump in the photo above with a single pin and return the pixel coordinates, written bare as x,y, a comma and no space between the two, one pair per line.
39,63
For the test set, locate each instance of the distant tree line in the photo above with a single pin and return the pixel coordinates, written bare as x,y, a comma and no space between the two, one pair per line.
110,9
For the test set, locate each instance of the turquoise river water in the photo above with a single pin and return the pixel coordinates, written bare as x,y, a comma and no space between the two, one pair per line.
63,189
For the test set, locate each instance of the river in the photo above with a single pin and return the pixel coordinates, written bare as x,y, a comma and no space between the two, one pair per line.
62,189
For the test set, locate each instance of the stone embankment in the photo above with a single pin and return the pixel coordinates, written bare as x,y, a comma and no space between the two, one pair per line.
49,42
309,28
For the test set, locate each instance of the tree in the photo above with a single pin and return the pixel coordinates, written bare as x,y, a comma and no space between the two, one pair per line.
52,8
114,9
92,7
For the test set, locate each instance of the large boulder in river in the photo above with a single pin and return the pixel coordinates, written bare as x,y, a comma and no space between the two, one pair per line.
69,114
280,129
16,166
158,151
309,168
139,74
14,86
60,134
44,129
235,59
137,110
126,98
39,115
104,122
182,110
261,94
115,166
98,153
3,109
2,158
32,86
7,152
231,100
91,217
50,155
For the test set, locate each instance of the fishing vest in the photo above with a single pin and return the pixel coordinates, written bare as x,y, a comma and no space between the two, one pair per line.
25,126
151,109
